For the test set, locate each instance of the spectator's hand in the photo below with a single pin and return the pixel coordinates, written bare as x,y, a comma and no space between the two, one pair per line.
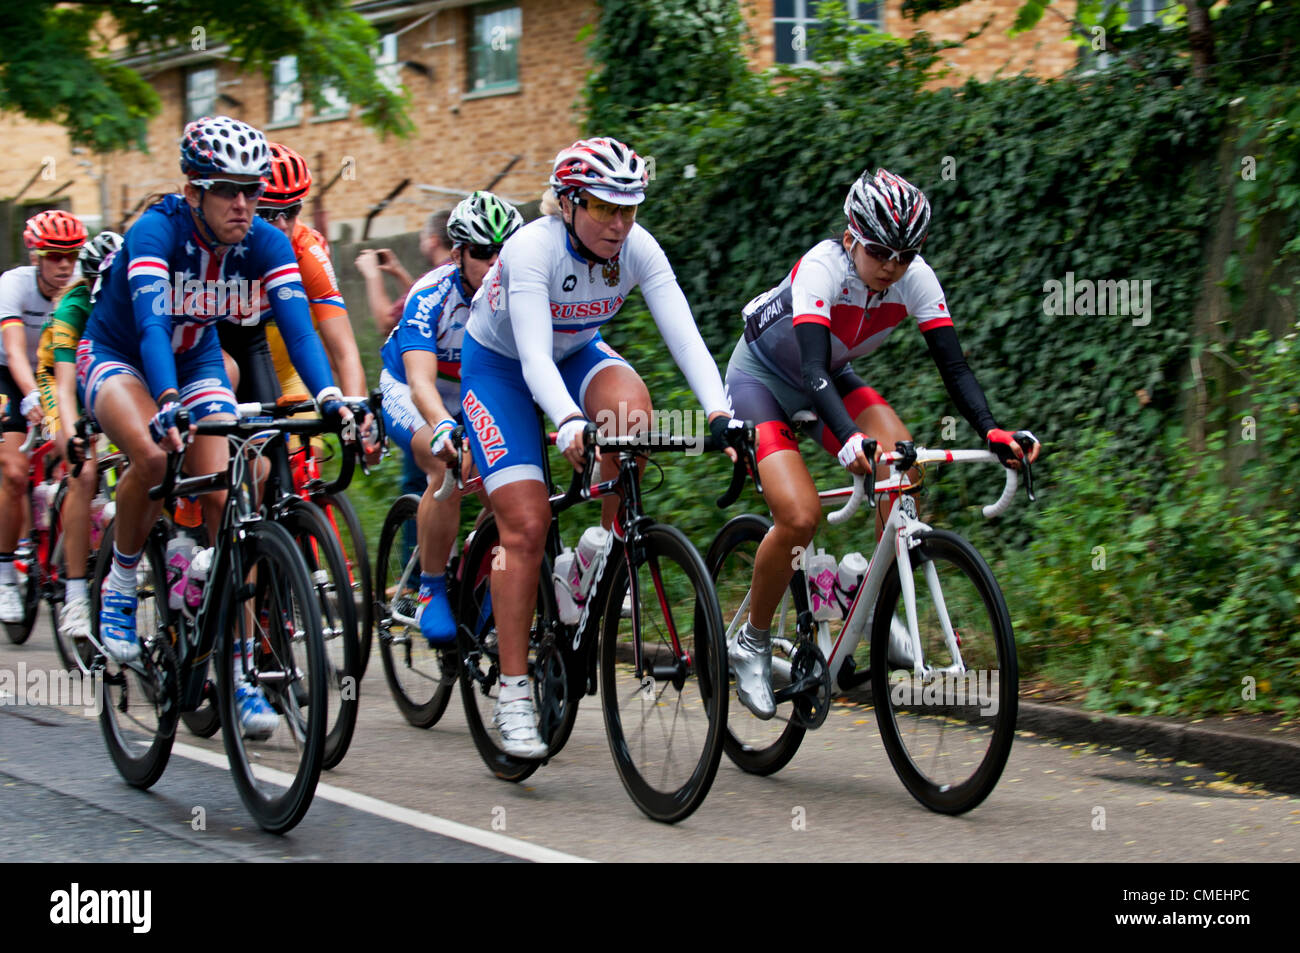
388,263
368,264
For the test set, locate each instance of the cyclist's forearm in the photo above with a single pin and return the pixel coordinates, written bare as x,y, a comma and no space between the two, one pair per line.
341,345
959,379
672,314
15,338
815,350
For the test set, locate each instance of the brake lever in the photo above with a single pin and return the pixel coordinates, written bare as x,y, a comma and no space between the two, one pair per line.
1026,441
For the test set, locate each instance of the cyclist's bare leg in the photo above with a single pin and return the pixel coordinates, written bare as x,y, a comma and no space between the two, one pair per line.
437,520
883,425
523,517
76,517
790,493
124,408
14,468
619,402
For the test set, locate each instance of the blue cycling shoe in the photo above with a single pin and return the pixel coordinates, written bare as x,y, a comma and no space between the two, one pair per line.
256,716
117,625
437,624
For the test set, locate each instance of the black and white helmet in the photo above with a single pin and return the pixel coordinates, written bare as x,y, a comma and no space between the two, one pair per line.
887,210
219,145
483,219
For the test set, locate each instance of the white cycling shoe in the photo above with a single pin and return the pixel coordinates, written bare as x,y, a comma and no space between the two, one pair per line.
517,725
74,620
11,603
751,661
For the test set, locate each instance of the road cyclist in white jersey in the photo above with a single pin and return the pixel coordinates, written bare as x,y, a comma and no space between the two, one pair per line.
421,385
791,368
54,239
533,336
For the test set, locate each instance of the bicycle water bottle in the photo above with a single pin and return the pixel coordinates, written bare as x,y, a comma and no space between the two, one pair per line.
847,579
196,577
42,498
570,611
180,554
101,511
821,586
589,547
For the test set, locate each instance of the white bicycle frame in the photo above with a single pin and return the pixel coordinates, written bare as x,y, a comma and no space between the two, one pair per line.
896,541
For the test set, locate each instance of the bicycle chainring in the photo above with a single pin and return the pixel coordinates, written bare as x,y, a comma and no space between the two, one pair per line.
811,706
550,688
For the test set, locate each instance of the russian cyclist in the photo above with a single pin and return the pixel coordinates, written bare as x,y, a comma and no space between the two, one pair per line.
534,336
791,368
421,385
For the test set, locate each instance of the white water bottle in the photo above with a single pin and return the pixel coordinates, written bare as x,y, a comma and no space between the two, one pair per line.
821,586
196,577
565,563
180,553
848,577
589,547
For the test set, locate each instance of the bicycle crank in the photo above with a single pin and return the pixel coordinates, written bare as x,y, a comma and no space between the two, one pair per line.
810,686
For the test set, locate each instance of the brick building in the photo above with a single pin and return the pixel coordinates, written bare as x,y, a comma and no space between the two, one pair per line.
494,90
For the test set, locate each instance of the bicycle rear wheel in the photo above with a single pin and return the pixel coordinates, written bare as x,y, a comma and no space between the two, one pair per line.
948,735
271,605
664,726
419,677
329,575
29,587
139,701
754,745
346,524
480,671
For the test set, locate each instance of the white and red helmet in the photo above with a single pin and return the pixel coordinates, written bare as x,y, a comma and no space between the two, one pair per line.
219,145
886,209
605,167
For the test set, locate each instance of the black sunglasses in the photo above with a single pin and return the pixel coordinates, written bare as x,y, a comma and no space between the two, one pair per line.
885,253
483,252
227,188
271,212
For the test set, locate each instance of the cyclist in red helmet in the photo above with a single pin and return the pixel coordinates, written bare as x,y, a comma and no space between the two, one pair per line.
27,294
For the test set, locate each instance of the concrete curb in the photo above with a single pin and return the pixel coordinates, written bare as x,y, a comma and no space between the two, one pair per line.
1272,762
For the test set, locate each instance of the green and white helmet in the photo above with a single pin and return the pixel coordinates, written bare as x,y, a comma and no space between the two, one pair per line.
483,219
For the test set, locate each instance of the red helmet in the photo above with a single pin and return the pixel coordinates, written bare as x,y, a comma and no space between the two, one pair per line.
55,230
289,180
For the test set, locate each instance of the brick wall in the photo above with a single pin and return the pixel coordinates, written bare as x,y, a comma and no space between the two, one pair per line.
461,141
1043,51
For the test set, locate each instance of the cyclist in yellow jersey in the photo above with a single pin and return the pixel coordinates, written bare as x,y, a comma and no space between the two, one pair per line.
56,379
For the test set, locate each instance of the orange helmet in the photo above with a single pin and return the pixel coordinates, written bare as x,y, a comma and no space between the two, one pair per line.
55,230
289,180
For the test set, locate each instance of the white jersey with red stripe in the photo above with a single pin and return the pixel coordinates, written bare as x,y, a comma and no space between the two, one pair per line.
541,296
824,288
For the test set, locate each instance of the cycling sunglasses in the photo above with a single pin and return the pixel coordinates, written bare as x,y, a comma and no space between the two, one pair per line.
602,211
273,213
885,253
483,252
228,188
58,255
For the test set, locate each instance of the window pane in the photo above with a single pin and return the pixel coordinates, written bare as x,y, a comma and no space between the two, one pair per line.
784,8
869,11
200,93
785,52
494,52
286,94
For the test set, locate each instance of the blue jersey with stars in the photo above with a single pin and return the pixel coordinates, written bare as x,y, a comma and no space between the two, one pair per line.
167,288
433,319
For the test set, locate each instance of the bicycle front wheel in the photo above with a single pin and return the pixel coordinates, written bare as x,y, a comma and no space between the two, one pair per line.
417,677
948,733
754,745
139,701
329,575
269,607
663,676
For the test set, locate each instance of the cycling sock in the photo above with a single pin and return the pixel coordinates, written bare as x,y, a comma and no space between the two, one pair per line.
76,589
514,688
121,578
756,634
8,576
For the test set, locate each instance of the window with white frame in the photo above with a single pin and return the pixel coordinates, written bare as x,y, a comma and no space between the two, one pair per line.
494,48
795,25
200,93
1140,12
286,91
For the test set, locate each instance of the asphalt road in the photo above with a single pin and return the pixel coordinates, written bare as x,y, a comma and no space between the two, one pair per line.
404,794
